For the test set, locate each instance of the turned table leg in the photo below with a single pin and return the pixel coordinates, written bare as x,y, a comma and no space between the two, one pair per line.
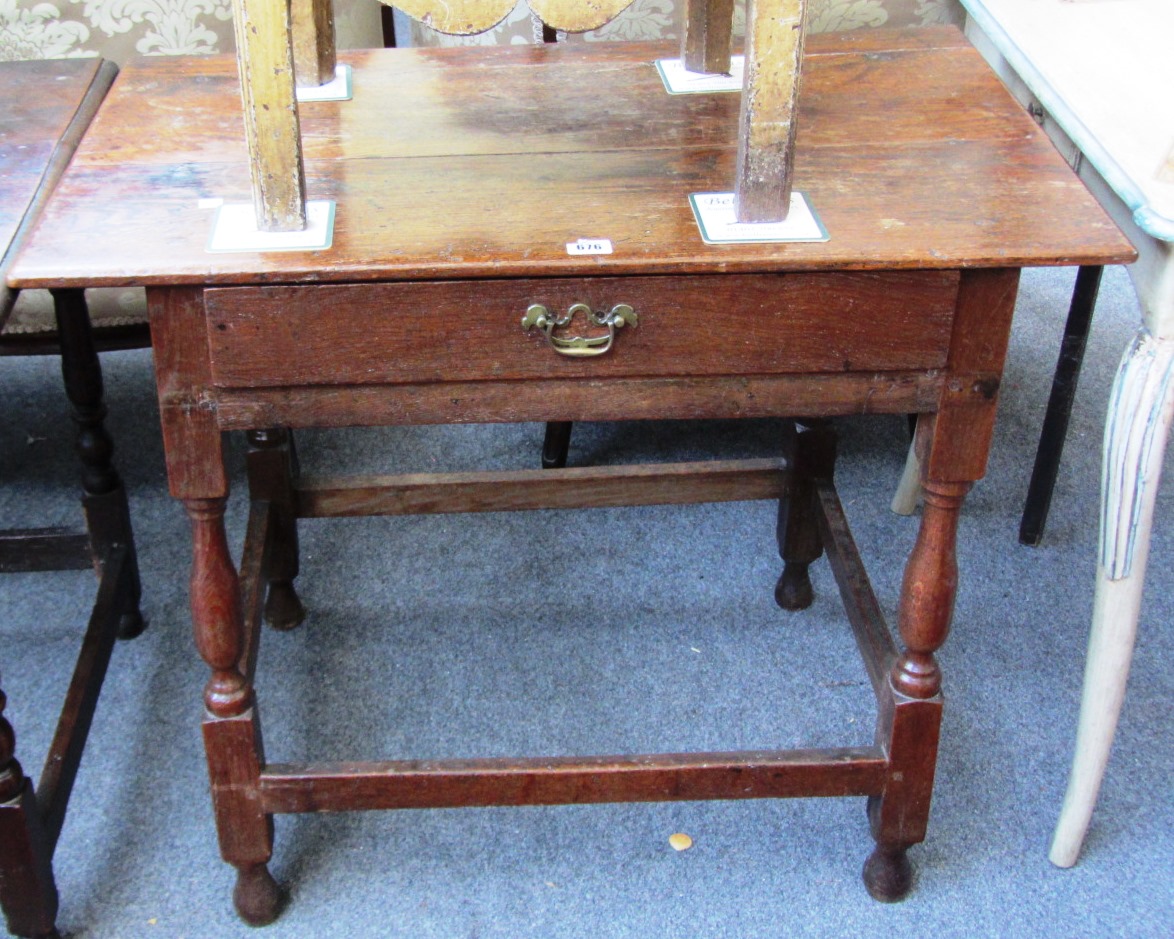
104,499
28,892
232,733
952,445
1141,407
810,454
911,716
272,465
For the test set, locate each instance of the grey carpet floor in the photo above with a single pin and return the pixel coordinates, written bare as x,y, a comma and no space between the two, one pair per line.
649,629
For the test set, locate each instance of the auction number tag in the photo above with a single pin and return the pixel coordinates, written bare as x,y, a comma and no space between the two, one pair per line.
589,246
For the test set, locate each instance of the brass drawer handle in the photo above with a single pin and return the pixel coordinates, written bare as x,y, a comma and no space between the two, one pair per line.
537,316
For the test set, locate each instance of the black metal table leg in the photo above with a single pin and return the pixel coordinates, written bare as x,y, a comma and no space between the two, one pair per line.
1051,441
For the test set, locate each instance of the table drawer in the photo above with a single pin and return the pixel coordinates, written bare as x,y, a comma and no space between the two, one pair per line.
342,334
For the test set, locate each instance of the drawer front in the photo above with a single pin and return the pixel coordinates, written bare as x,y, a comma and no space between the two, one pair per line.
733,324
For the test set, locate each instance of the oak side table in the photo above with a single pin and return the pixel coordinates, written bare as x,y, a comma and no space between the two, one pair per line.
461,176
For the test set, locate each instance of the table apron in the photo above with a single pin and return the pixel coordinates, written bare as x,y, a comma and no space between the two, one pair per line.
717,397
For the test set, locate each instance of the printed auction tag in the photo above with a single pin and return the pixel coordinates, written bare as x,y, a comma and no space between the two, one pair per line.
589,246
678,80
719,226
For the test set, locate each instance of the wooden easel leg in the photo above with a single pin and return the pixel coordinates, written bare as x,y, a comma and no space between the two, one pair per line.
770,93
272,130
104,499
232,733
272,466
708,35
312,28
810,454
28,892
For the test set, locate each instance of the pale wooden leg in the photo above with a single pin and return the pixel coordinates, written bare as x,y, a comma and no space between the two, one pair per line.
766,125
1140,411
909,488
264,57
312,24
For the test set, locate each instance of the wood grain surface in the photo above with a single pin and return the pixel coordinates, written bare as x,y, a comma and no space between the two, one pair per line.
45,107
473,163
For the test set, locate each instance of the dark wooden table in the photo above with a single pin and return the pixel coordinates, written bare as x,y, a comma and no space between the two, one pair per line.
44,110
460,177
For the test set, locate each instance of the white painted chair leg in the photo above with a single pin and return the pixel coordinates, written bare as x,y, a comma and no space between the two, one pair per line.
909,488
1110,650
1140,412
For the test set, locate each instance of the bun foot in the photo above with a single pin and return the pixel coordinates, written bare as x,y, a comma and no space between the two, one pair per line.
257,897
888,875
283,609
131,624
794,591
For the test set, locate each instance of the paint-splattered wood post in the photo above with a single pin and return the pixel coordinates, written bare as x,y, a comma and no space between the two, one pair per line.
708,36
770,90
265,59
313,41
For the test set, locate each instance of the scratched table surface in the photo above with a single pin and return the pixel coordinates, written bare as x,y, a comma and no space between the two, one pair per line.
474,163
40,102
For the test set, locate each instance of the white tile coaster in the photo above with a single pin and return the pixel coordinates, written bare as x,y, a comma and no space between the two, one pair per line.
338,89
235,229
715,217
678,80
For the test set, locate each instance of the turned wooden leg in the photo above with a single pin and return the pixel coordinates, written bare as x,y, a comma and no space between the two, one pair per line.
911,716
272,466
1141,407
232,734
810,454
104,499
28,892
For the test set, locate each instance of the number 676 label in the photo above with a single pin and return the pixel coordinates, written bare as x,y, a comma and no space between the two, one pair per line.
589,246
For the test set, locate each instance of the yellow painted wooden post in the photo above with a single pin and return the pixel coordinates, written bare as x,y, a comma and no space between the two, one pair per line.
708,35
265,59
312,23
766,127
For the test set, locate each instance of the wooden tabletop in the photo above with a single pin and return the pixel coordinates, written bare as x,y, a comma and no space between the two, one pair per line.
44,109
476,162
